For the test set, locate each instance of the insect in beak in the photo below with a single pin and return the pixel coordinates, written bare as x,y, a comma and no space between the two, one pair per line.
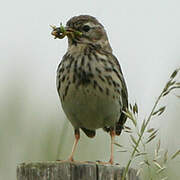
61,32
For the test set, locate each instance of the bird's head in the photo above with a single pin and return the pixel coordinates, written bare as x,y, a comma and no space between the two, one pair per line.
83,29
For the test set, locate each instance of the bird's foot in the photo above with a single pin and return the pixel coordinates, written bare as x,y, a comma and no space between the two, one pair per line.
110,162
70,159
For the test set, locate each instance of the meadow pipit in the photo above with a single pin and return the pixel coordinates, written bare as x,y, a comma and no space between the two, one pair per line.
90,82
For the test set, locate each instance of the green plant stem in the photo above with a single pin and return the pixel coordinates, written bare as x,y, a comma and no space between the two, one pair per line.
140,137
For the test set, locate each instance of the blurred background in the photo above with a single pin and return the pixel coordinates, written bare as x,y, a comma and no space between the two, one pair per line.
145,37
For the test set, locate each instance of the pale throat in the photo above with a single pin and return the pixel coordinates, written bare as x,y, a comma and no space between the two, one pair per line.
77,49
80,47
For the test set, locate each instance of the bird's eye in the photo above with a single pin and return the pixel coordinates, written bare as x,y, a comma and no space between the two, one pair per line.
86,28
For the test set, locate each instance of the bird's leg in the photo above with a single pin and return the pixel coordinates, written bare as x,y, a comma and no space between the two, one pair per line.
111,161
112,134
77,137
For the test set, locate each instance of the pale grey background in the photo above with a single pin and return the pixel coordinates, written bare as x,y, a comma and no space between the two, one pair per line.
145,37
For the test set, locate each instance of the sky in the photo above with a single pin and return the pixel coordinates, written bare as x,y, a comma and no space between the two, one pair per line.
144,35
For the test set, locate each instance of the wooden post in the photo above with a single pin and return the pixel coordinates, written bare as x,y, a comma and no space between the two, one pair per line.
71,171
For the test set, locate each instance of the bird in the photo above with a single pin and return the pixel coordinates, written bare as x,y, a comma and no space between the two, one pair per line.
90,82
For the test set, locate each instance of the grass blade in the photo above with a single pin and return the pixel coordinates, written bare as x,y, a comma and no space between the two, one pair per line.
175,154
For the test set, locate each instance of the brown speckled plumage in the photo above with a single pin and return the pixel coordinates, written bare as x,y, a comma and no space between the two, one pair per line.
90,82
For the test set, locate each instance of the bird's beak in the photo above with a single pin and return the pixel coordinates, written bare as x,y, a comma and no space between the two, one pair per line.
61,32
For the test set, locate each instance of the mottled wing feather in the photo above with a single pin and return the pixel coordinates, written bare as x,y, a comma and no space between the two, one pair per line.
124,96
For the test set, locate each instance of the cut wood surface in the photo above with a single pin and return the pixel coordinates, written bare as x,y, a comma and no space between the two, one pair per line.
71,171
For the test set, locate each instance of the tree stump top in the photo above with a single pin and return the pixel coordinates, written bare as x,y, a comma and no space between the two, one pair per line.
71,171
